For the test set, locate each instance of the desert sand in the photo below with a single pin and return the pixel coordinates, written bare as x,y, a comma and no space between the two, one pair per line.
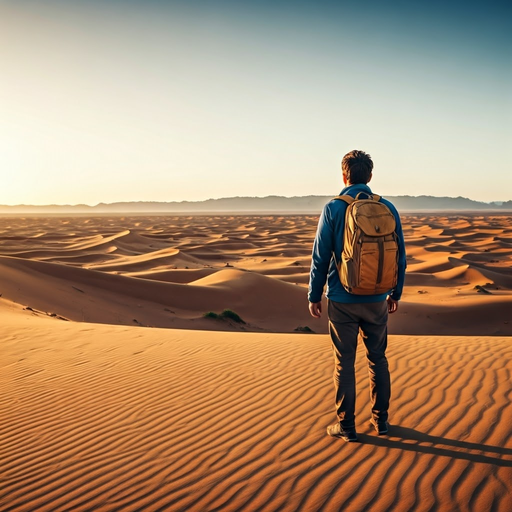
118,394
168,271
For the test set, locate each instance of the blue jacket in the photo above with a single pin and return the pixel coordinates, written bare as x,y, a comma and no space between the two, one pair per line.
329,239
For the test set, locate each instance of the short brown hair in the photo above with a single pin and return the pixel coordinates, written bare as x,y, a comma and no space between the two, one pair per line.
357,167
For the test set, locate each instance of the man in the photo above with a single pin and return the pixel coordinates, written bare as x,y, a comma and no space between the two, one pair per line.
350,314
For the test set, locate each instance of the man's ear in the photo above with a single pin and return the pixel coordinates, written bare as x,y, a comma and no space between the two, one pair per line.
345,181
370,178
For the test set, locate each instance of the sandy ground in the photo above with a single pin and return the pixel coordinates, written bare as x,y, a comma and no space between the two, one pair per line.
99,416
169,271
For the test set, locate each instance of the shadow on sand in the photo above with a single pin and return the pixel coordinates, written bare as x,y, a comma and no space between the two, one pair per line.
404,438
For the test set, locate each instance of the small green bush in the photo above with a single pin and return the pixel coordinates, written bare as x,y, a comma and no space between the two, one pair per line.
227,313
304,329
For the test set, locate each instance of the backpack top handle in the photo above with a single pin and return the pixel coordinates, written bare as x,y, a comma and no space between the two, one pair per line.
373,197
350,199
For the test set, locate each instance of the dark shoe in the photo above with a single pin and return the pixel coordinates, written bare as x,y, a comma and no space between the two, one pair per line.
337,430
381,427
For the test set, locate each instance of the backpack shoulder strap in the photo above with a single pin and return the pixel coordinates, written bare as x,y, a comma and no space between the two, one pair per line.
347,199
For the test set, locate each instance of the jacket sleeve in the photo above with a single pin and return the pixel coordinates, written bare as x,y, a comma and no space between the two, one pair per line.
396,294
321,257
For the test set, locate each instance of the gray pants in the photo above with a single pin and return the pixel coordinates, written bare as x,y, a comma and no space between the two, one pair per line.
345,323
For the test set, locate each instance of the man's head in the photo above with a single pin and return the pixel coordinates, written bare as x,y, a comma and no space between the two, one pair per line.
356,167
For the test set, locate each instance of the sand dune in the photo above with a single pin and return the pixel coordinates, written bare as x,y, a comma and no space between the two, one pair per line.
168,271
103,417
111,418
173,276
86,295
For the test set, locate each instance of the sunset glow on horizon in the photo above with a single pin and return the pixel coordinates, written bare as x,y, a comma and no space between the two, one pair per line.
107,101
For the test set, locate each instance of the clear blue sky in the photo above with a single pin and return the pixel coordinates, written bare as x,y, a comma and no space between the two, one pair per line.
106,101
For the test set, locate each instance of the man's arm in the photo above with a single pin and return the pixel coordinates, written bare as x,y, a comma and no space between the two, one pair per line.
396,294
320,261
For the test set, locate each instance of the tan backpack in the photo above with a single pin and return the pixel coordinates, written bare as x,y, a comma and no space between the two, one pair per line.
369,260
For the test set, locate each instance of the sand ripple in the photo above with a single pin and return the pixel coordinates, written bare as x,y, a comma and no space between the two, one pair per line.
117,419
168,271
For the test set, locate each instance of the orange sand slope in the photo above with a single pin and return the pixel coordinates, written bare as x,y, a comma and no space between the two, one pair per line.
117,418
168,271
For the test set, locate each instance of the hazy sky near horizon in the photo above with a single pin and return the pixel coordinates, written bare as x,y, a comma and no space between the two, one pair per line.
145,100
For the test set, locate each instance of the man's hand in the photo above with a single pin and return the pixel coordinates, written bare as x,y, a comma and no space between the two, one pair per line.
315,308
392,305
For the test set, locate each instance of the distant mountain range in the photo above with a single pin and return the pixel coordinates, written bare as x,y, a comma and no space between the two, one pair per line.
269,204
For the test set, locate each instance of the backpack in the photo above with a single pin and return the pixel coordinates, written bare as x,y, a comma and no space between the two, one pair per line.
369,260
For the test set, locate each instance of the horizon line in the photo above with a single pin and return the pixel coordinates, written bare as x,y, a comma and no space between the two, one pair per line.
102,203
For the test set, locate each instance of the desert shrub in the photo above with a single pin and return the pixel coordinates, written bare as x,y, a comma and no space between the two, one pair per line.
304,329
227,313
